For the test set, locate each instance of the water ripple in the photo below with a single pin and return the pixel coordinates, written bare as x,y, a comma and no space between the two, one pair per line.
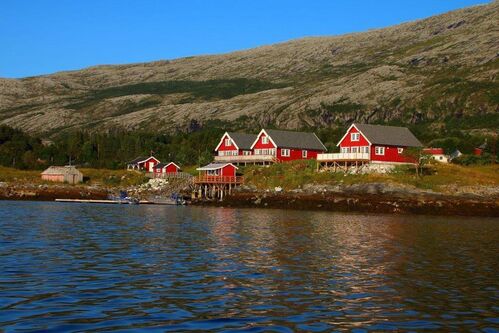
84,268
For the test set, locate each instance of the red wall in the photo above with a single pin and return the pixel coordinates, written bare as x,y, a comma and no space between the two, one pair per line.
346,142
228,171
391,155
296,154
149,164
224,147
171,169
260,145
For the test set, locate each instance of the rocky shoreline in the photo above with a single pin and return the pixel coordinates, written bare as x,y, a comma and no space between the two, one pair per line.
367,198
50,192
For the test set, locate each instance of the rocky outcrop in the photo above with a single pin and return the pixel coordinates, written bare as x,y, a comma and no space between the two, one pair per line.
433,69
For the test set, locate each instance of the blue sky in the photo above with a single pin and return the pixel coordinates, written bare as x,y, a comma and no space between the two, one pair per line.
45,36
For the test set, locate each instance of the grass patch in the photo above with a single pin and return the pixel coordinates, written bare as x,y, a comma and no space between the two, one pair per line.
295,175
199,90
121,178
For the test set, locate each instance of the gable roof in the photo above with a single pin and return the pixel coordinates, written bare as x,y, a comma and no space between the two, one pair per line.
164,165
240,140
215,166
141,159
298,140
62,170
388,135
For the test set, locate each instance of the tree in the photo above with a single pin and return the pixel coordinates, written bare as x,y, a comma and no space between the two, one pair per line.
418,158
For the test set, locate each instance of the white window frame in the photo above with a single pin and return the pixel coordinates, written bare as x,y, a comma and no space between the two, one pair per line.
354,136
345,150
304,153
285,152
364,149
354,150
228,142
265,140
246,152
380,151
400,150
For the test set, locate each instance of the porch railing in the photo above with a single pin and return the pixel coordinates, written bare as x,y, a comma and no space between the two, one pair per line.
343,157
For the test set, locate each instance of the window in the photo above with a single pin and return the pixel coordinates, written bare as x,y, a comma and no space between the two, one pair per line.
364,149
265,140
400,150
354,149
380,151
228,142
345,150
304,154
285,152
246,152
355,137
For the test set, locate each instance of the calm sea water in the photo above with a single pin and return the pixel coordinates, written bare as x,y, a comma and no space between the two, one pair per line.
72,267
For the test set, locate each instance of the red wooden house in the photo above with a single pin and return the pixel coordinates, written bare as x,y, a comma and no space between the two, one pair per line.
235,148
221,173
166,169
143,164
283,146
364,143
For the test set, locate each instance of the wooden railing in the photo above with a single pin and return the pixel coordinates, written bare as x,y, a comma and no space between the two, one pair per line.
343,157
245,158
218,180
177,175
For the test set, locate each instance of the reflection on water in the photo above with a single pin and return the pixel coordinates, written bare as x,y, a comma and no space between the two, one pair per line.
100,268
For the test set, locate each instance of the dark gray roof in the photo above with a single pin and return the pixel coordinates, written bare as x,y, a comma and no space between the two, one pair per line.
298,140
161,165
140,159
243,140
389,135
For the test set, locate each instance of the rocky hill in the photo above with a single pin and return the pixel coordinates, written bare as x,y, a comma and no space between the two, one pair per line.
436,70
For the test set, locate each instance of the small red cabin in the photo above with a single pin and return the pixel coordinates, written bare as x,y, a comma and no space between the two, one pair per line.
376,143
218,173
166,169
287,145
143,164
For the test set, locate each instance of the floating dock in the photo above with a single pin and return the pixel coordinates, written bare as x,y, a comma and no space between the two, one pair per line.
117,202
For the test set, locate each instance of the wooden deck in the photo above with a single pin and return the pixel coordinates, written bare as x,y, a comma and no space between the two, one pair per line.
247,159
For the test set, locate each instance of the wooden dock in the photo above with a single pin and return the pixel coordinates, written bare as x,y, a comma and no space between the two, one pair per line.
117,202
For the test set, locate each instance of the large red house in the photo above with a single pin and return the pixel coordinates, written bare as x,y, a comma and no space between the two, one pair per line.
269,146
374,144
143,163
